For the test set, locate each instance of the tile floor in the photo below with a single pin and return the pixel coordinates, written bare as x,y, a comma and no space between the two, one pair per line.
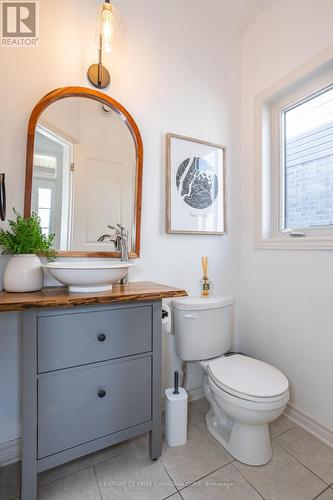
301,469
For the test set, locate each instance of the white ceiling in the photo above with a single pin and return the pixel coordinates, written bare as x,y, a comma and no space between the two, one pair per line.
240,13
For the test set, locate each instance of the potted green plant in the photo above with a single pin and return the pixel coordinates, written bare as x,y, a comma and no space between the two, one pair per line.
25,241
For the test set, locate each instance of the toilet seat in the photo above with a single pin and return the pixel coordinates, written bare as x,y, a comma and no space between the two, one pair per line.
248,378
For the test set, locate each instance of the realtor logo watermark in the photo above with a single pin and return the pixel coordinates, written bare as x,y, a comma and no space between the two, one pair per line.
19,23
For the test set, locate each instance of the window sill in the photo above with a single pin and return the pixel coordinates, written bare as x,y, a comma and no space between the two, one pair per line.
307,243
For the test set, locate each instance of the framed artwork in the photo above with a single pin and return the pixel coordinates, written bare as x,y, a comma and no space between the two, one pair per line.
196,193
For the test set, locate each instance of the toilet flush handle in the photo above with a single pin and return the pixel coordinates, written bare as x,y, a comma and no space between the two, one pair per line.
190,316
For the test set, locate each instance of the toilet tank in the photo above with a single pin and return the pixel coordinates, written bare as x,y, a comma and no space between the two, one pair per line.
202,326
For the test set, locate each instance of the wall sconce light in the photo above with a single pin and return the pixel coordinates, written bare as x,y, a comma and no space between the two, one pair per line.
98,75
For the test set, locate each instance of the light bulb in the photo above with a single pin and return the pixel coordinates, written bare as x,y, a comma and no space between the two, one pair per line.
106,27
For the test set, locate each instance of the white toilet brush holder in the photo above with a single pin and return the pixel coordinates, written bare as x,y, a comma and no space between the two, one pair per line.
176,414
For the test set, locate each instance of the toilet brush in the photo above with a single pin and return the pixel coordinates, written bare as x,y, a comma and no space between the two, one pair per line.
176,382
176,414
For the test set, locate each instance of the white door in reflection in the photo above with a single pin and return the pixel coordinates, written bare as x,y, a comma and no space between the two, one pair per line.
103,188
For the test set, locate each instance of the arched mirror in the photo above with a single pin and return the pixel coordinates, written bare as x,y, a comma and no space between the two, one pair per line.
84,171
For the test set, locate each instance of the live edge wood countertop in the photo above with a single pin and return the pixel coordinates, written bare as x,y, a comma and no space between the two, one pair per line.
60,297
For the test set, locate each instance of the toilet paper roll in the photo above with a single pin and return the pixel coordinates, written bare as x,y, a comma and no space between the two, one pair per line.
166,322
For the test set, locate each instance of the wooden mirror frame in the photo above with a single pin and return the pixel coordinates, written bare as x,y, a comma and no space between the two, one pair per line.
62,93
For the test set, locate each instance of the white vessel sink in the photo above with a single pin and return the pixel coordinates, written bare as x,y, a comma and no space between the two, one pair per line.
86,276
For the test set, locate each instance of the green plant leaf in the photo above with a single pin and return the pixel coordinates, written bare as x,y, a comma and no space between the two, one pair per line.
26,237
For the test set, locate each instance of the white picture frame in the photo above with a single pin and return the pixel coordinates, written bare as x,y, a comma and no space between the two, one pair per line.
195,186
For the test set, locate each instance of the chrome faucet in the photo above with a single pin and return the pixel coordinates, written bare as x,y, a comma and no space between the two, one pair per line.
120,239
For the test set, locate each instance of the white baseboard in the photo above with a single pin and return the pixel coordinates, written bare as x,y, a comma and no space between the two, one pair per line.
194,394
10,452
309,424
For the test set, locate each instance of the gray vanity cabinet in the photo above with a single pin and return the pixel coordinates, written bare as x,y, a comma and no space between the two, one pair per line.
91,378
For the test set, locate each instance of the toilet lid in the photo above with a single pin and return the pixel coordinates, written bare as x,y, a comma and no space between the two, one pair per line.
247,376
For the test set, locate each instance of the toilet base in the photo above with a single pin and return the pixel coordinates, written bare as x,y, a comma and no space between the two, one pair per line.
249,444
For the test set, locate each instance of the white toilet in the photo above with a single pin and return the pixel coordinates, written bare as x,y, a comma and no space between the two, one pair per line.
245,394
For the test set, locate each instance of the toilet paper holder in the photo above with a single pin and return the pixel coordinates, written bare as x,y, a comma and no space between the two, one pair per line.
166,317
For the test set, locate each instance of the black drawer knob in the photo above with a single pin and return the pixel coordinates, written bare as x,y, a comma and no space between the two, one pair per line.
101,337
101,393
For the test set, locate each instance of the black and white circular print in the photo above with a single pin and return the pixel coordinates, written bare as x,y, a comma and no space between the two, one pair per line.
196,182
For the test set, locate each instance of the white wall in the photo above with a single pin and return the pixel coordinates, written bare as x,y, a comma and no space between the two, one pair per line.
286,296
176,70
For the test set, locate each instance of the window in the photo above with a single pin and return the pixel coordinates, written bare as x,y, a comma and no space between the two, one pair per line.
45,166
307,196
44,190
44,209
294,160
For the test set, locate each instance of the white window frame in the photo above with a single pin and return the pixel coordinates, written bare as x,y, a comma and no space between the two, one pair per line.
269,107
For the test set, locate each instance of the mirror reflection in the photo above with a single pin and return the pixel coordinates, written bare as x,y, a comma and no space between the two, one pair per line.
84,175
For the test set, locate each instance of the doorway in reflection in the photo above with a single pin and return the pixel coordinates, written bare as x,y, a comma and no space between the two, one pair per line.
52,187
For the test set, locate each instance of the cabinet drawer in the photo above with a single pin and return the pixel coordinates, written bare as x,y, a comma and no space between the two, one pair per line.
71,410
75,339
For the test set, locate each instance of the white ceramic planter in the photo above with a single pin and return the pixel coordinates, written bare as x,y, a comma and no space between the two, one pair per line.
23,273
